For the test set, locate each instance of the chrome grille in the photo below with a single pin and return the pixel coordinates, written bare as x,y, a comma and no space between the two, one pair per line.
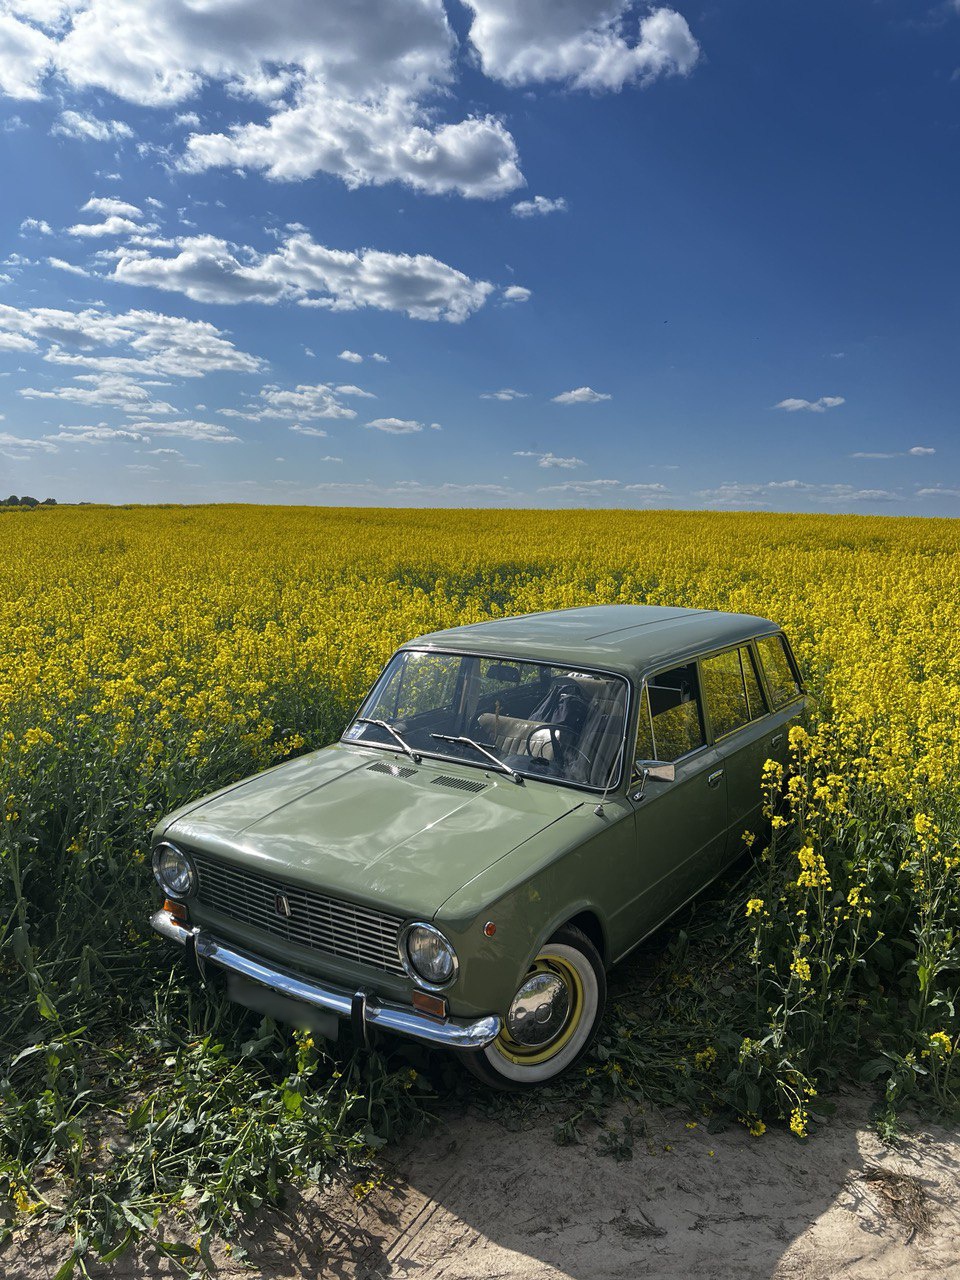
330,925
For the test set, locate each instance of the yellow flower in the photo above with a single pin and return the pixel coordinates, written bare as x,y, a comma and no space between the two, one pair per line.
705,1058
801,968
754,906
798,1122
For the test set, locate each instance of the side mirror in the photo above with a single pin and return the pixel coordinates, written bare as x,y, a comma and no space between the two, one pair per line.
659,769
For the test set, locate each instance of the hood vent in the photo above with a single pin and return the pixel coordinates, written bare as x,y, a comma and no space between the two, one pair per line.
458,784
394,770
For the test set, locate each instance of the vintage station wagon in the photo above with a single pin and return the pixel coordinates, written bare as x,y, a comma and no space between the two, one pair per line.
516,805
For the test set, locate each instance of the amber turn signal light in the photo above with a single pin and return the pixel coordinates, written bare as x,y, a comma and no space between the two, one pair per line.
435,1006
176,909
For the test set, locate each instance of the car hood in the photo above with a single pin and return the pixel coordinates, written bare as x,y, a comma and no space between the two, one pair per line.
370,826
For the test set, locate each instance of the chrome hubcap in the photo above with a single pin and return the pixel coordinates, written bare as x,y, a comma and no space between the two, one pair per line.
539,1010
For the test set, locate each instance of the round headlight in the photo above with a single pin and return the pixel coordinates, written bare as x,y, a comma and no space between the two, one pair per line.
429,957
174,871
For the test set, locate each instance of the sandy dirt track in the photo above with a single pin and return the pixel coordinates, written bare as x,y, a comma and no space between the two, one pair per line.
476,1200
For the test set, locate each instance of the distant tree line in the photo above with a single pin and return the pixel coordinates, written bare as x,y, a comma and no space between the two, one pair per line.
27,501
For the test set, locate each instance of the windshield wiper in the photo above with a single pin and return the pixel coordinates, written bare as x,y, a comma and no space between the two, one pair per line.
383,724
448,737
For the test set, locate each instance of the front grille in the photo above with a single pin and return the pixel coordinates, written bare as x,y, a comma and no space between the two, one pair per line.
330,925
458,784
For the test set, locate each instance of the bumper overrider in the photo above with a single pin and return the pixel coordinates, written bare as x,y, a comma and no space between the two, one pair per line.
365,1010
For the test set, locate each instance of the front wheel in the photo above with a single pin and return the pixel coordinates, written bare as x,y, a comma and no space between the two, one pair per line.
552,1019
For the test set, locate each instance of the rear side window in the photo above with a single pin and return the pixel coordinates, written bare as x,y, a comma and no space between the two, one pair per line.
778,670
671,705
731,690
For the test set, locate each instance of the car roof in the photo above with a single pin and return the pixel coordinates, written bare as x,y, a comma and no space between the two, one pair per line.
626,638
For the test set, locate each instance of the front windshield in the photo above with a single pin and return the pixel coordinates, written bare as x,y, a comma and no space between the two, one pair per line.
540,720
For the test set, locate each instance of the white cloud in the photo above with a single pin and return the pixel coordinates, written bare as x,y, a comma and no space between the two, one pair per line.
367,142
581,395
539,206
109,207
505,393
551,460
918,451
106,390
187,429
517,293
100,434
813,406
348,389
112,226
938,492
24,446
309,431
396,426
156,344
208,269
375,355
61,265
39,225
582,43
317,400
736,495
88,128
354,357
25,55
351,90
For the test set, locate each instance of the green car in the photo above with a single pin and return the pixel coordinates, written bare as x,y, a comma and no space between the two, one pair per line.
517,804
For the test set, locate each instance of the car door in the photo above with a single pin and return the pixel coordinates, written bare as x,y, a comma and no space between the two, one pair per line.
680,825
744,735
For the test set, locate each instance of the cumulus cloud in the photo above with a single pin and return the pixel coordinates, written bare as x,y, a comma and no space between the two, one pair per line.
38,225
71,267
110,207
538,207
208,269
793,404
517,293
351,90
308,400
397,426
187,429
582,43
112,226
353,357
380,359
103,390
89,128
551,460
581,395
102,433
17,447
152,343
505,393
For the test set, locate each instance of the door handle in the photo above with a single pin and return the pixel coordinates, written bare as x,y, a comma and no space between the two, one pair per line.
776,740
713,779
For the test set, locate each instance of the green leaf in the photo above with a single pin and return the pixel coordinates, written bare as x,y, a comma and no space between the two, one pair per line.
66,1269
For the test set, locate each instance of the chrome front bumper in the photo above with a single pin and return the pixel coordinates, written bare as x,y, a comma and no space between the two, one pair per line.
366,1011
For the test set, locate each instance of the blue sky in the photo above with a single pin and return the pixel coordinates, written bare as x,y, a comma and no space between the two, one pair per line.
497,253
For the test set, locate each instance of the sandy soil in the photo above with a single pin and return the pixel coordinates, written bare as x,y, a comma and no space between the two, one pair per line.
477,1200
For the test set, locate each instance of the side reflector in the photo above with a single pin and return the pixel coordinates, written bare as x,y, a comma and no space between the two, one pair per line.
176,909
489,928
435,1006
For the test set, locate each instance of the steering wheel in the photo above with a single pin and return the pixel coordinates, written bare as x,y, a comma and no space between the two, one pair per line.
559,746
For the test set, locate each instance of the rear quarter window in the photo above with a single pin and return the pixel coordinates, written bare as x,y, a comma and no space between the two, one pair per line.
778,670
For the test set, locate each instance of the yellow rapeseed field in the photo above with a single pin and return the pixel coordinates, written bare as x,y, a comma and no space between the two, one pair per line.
149,654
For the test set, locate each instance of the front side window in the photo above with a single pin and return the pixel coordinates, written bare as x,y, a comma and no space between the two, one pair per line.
670,724
732,690
536,718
